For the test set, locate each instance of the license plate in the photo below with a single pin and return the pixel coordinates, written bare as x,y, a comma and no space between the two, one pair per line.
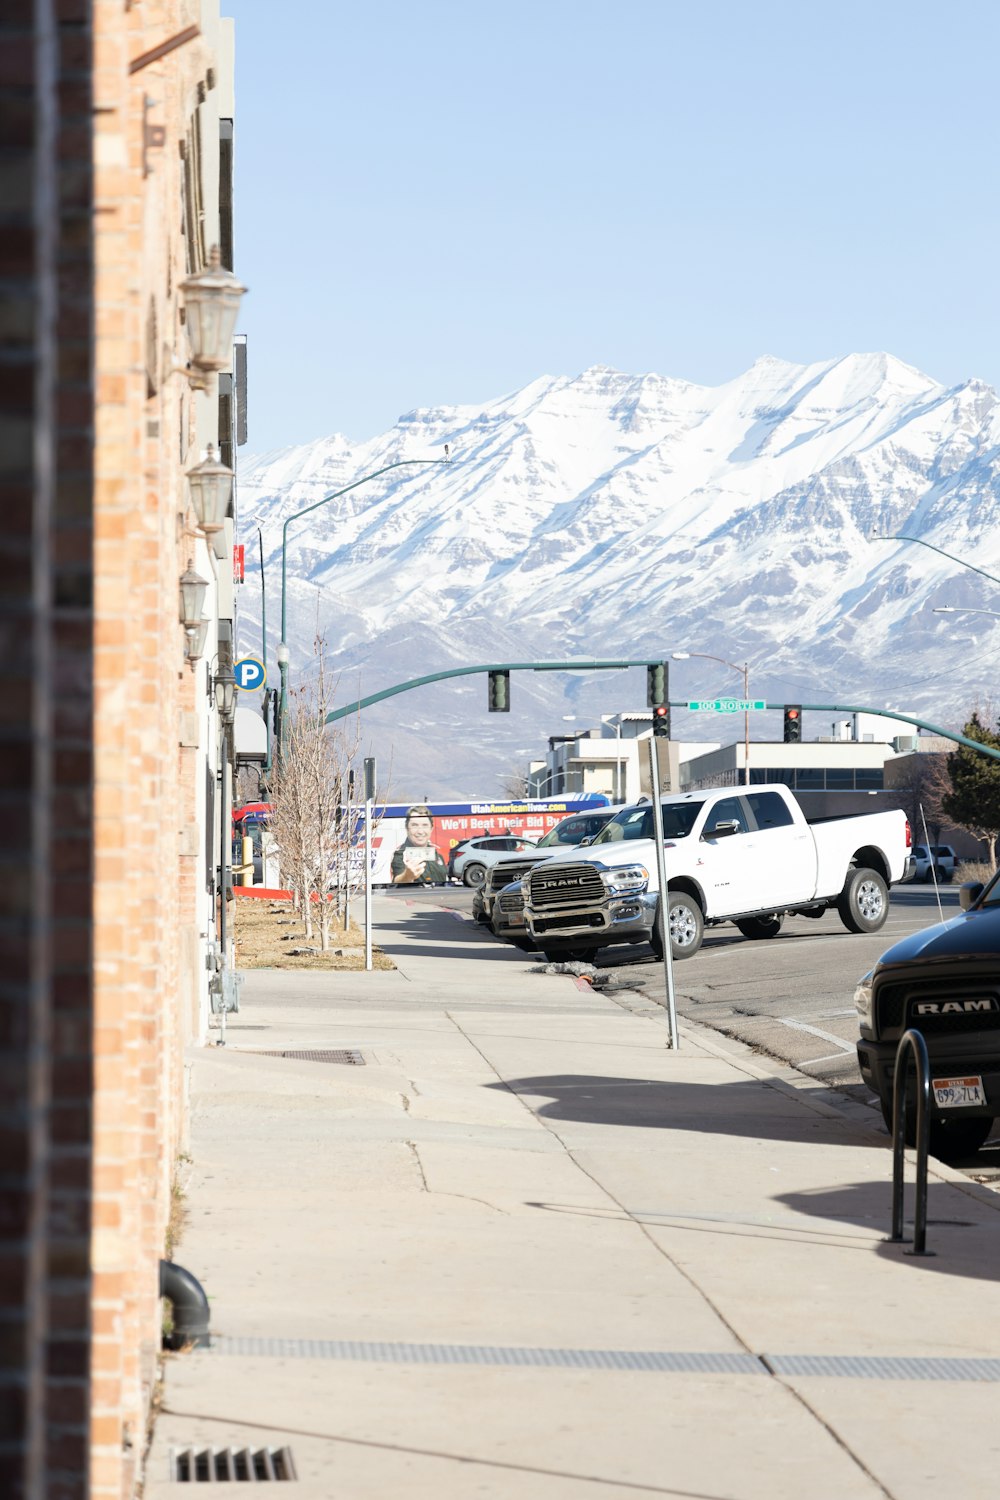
516,919
958,1093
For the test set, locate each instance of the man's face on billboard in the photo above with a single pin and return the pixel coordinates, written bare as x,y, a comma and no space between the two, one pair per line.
418,830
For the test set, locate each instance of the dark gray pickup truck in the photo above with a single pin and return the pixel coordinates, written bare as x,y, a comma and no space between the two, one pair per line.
945,983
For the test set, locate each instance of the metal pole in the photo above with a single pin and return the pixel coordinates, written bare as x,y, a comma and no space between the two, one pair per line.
661,877
746,724
225,834
350,846
263,606
402,463
368,883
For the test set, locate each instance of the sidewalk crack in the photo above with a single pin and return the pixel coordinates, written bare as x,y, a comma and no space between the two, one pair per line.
646,1231
464,1197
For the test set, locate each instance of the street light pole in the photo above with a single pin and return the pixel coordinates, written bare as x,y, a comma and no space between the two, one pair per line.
745,670
283,645
960,609
878,537
618,754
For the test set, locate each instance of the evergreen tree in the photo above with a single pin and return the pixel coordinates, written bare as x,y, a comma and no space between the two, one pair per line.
974,800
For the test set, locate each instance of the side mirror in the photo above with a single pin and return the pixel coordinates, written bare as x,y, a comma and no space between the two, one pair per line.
584,842
722,830
970,894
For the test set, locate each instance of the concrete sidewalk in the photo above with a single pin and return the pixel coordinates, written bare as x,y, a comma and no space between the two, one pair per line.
525,1250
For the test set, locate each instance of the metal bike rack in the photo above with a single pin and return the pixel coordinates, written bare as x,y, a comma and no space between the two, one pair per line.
911,1041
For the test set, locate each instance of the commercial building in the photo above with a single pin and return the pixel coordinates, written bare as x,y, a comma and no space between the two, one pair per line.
117,124
865,761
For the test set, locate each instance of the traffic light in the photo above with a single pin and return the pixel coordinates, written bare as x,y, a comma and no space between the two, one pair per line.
499,693
793,724
661,721
657,683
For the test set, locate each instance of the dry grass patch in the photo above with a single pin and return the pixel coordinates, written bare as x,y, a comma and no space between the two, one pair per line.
266,930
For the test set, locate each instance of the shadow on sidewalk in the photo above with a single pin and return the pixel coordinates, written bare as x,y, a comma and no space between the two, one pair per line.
747,1108
957,1251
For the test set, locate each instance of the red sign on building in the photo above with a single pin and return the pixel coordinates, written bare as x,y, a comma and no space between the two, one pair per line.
238,550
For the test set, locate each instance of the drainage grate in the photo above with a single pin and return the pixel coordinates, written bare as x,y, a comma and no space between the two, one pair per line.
229,1465
886,1367
348,1056
492,1354
666,1361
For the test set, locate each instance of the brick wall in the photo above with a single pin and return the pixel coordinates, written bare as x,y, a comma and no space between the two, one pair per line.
143,782
46,401
102,914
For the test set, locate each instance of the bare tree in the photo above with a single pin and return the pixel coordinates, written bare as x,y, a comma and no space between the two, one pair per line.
918,786
309,784
515,784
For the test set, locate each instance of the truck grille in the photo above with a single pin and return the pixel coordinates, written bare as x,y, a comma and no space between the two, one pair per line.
565,884
511,901
896,1006
501,875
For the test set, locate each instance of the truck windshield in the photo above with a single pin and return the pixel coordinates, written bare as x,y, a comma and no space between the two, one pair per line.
637,823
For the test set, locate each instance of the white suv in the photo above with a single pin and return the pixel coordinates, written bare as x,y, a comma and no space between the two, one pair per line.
934,859
470,862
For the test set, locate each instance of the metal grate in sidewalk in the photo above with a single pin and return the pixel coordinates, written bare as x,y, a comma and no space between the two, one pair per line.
489,1354
884,1367
231,1465
341,1055
662,1361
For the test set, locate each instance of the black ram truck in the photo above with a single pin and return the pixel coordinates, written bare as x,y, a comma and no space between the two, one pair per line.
945,983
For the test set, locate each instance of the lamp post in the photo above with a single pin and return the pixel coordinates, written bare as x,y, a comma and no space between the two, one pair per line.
283,645
224,693
877,536
618,753
745,670
960,609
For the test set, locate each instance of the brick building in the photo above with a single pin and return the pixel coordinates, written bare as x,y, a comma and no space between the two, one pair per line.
116,141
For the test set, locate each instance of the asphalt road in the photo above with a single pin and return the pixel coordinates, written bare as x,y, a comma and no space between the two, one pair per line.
790,997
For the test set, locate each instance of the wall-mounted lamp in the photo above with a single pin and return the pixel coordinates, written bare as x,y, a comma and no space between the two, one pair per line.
211,485
193,590
211,306
194,645
224,687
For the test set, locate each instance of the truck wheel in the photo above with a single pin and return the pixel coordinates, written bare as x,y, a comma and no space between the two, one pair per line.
863,904
474,875
687,927
948,1140
761,927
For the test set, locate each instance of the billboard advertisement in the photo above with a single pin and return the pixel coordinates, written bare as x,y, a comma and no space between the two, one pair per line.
411,842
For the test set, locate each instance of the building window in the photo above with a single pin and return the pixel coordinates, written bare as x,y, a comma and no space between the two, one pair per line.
809,779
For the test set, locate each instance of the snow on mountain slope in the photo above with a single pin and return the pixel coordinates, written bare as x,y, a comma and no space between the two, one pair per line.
619,515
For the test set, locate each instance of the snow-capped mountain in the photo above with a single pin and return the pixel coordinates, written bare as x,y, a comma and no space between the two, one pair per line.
614,515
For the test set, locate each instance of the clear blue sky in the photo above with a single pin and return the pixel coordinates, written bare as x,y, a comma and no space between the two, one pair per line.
439,202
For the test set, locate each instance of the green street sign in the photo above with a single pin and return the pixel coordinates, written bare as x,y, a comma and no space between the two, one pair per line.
727,705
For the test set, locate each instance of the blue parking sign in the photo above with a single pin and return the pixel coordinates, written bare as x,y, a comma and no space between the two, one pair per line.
249,673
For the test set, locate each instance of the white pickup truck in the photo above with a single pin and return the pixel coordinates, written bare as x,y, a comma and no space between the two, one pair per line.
746,856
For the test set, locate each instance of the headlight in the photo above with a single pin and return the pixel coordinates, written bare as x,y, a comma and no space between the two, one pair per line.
627,881
864,1001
